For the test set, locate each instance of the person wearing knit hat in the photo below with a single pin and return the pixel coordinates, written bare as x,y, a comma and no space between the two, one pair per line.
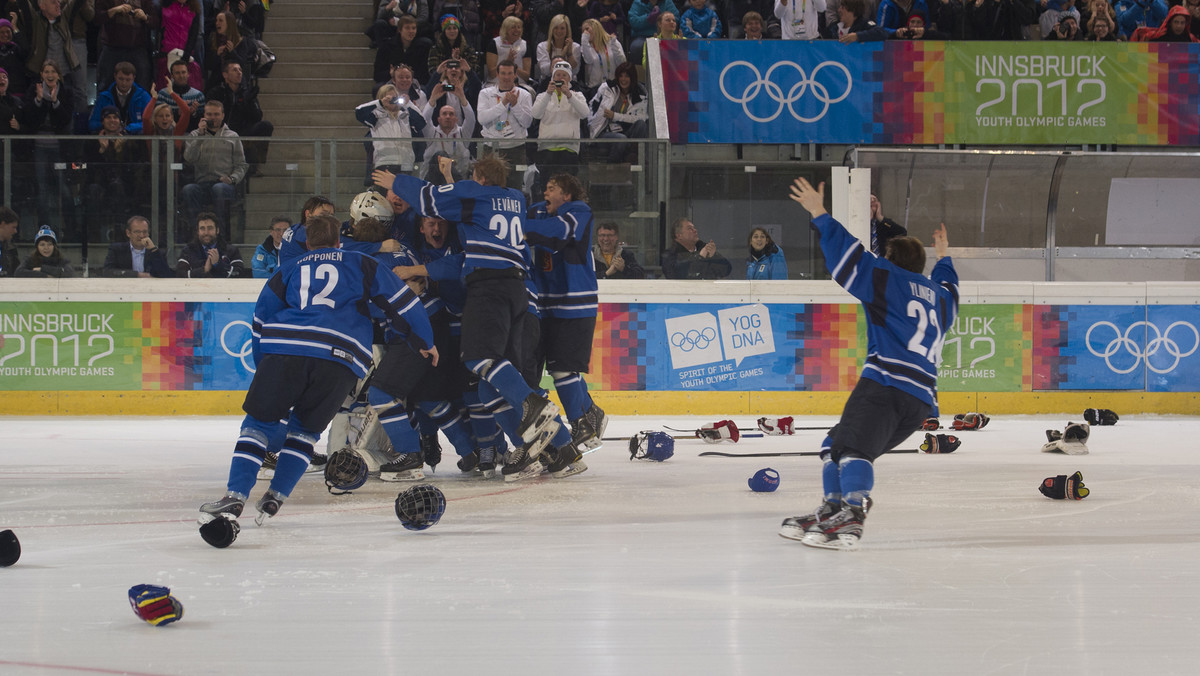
450,44
46,260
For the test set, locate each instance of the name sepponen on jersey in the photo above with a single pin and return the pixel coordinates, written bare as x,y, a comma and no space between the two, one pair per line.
490,219
908,314
310,307
565,269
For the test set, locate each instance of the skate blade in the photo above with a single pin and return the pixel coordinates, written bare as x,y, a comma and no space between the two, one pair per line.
534,469
262,516
266,474
589,445
488,473
407,475
792,533
543,422
821,541
577,467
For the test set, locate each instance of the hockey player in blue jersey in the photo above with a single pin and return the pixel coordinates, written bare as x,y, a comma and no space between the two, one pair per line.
907,317
295,243
311,339
560,229
490,220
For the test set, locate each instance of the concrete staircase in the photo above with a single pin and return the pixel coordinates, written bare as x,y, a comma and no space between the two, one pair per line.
323,70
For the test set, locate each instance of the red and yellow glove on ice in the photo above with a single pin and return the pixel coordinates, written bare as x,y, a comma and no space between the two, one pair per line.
154,604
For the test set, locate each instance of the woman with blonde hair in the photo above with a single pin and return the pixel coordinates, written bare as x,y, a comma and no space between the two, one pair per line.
509,45
602,52
558,45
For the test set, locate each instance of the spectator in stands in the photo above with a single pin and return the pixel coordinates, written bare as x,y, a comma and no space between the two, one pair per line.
558,45
238,92
251,15
1134,14
799,18
611,15
1067,28
179,94
13,56
602,54
918,29
225,45
470,22
117,167
1193,8
456,87
690,257
508,46
218,165
394,120
137,257
751,26
643,21
766,259
667,30
495,12
1175,28
619,111
208,254
613,260
544,12
58,47
505,114
1102,29
853,26
180,29
735,17
403,46
266,255
1051,18
9,256
407,85
126,96
125,27
699,21
560,109
387,20
892,15
450,47
447,139
48,111
996,19
10,107
46,260
882,228
947,17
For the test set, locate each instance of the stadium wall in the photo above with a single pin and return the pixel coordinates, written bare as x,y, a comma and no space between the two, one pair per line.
181,347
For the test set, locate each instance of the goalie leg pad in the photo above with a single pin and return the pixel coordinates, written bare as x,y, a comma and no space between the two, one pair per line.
1063,487
722,430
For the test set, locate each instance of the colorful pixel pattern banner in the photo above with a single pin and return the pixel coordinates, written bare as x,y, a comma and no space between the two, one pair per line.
901,92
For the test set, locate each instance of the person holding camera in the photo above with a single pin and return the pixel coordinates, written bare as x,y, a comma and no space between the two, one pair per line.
218,165
560,108
447,138
456,86
394,121
117,165
1067,28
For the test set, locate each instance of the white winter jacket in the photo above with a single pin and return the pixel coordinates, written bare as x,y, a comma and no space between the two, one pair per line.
560,116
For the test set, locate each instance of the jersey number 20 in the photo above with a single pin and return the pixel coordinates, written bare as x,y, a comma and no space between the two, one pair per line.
507,231
325,272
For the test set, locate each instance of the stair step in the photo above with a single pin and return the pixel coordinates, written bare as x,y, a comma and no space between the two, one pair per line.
316,100
358,54
306,86
354,71
287,39
300,23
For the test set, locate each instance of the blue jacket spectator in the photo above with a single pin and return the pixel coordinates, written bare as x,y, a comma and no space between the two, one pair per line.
643,17
766,259
266,255
696,24
126,96
1132,14
892,16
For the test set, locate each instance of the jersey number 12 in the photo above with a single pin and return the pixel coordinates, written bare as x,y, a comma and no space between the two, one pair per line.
325,272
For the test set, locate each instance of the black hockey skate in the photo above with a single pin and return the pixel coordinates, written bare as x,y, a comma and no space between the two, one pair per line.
523,462
564,462
230,507
406,467
537,415
487,462
587,432
431,448
794,527
268,505
469,462
840,531
267,471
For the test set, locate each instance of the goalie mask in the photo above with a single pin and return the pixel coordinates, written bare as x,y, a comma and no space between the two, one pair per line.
370,204
651,445
345,471
420,507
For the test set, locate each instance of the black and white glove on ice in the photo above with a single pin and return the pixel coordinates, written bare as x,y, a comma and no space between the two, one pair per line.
1062,487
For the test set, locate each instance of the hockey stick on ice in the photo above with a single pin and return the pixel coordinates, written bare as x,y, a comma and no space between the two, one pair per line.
755,429
719,454
681,437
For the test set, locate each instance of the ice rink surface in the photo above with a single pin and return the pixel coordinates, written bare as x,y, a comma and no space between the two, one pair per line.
631,568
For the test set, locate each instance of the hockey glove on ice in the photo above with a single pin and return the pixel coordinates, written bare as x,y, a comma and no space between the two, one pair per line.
154,604
1062,487
970,421
722,430
940,443
1100,416
776,426
931,424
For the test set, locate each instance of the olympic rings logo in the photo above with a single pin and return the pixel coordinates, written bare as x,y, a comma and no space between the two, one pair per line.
1161,341
247,348
775,92
693,339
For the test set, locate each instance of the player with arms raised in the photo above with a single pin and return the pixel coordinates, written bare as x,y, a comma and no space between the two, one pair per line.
907,317
312,342
490,219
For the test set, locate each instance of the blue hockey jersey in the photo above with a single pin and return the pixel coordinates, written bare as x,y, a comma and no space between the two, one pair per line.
908,314
565,270
321,305
295,244
490,219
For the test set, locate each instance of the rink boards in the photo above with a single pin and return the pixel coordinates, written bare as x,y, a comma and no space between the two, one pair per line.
179,347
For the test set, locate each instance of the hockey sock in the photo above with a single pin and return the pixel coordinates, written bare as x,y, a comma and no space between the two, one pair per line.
423,422
831,481
393,417
447,418
483,423
293,461
858,478
277,436
504,377
562,437
510,421
248,454
572,391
